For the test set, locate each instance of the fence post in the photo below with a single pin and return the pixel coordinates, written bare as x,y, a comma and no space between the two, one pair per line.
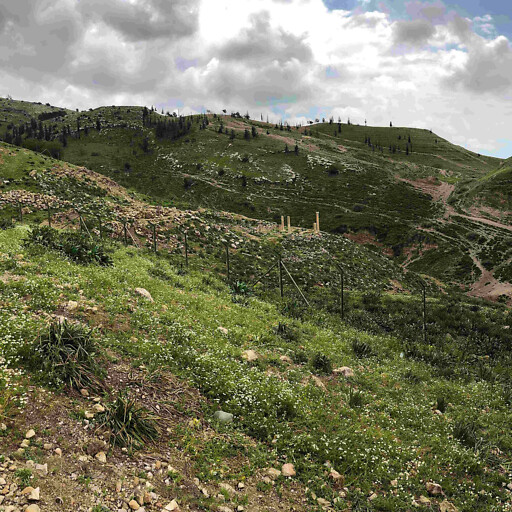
101,227
21,213
154,238
125,233
186,250
49,215
318,222
424,312
81,222
227,263
281,287
342,294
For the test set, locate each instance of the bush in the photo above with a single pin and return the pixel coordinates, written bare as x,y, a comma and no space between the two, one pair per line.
129,424
66,354
5,224
362,349
240,288
467,431
81,248
321,364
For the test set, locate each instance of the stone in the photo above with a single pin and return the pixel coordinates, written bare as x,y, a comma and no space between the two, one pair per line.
288,470
285,359
42,468
47,446
3,427
446,506
25,443
323,502
433,489
241,485
372,496
72,305
144,293
225,509
172,506
274,473
423,500
30,434
228,488
101,457
337,478
98,408
223,330
134,505
30,508
249,355
84,392
345,371
95,446
223,417
58,452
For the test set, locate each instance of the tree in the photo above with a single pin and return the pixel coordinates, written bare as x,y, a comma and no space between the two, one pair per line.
286,150
390,124
296,149
233,135
145,145
247,135
254,131
98,124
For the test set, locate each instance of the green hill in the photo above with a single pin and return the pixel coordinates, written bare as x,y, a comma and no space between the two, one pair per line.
423,201
372,412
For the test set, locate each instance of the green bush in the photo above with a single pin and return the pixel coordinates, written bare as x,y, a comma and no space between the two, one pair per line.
321,364
362,349
66,354
81,248
129,424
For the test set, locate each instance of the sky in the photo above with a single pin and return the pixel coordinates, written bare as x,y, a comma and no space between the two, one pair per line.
440,65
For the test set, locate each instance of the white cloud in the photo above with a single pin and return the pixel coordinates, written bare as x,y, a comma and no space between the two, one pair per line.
262,56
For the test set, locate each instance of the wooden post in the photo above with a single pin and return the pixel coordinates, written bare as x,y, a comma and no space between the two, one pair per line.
281,286
342,294
282,222
101,227
318,222
314,227
227,263
289,224
424,313
125,233
21,212
49,215
81,222
154,238
186,250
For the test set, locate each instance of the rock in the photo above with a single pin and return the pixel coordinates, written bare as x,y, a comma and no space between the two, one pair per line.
25,443
134,505
337,478
446,506
72,305
3,427
423,500
27,490
223,417
249,355
32,494
96,446
101,457
47,446
274,473
285,359
172,506
89,415
84,392
433,488
225,509
241,485
223,330
345,371
394,483
372,496
30,434
323,503
437,412
288,470
42,468
98,408
228,488
58,452
318,382
30,508
144,293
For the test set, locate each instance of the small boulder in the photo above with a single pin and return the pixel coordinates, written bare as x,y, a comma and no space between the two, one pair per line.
144,293
345,371
446,506
101,457
134,505
433,489
288,470
249,355
286,359
274,473
32,508
172,506
223,330
30,434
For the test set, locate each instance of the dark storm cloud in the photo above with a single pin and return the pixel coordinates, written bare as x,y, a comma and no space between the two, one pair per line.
146,19
414,33
261,42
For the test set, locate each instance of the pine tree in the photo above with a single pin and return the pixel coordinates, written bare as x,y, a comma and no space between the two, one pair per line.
296,149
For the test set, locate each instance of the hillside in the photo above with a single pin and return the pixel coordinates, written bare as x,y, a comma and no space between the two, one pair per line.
428,204
371,412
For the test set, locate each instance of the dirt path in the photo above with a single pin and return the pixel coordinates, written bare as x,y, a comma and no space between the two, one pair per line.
488,286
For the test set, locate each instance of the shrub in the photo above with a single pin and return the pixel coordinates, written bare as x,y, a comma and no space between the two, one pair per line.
66,355
79,247
355,398
467,431
129,424
441,404
5,224
321,363
240,288
362,349
286,332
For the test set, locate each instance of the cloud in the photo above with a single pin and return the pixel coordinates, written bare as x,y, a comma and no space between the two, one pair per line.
282,58
415,33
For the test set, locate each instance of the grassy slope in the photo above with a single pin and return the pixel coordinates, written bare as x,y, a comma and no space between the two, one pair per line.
335,173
